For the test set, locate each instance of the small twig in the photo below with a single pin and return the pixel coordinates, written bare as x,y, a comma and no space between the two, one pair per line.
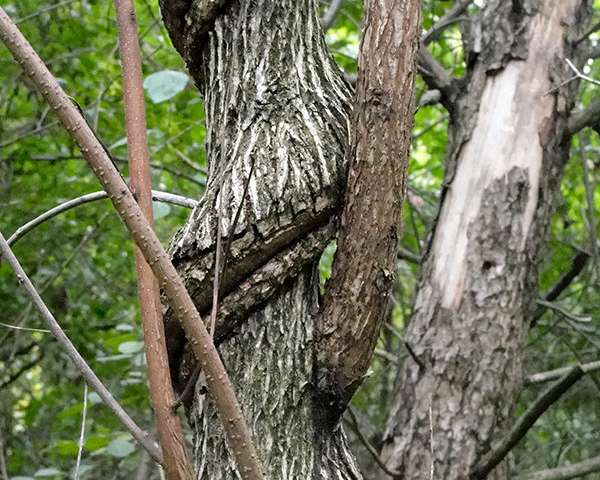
82,432
3,470
191,383
414,356
566,472
588,182
580,75
141,436
525,422
432,470
451,16
557,308
157,195
588,32
330,15
15,327
370,448
43,10
550,375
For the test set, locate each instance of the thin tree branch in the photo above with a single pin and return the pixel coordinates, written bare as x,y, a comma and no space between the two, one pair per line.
142,437
435,76
577,265
370,448
550,375
3,470
560,310
451,16
587,117
218,277
588,182
236,429
43,10
176,463
157,195
525,422
24,368
82,432
566,472
329,18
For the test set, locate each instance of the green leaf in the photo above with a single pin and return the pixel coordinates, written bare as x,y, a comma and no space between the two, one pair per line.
131,347
47,472
160,210
162,86
120,448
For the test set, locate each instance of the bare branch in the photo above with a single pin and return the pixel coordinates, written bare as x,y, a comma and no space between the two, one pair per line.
525,422
566,472
550,375
450,17
142,437
330,15
176,463
587,117
3,470
82,432
435,76
92,197
236,429
370,448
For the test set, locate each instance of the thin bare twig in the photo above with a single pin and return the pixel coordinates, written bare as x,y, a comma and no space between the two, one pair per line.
89,375
370,448
82,432
525,422
92,197
330,15
550,375
451,16
566,472
236,429
218,278
3,470
588,182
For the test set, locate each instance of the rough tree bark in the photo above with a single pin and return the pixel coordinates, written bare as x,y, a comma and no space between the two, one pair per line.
507,148
276,117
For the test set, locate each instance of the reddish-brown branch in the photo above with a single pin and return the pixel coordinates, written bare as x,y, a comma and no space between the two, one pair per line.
176,463
238,435
357,295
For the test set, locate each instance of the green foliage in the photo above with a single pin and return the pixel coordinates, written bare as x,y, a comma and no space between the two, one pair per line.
82,261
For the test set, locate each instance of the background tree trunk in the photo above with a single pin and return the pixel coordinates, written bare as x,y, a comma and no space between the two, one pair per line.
507,148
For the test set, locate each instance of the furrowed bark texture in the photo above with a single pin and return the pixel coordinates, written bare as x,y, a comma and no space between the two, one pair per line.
504,161
356,299
277,112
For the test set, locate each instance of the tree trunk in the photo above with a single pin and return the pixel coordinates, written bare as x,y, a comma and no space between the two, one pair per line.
507,148
277,123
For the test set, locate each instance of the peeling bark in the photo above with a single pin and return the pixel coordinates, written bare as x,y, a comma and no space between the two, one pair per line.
276,111
505,157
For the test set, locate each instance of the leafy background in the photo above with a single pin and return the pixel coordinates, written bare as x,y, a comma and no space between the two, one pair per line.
82,261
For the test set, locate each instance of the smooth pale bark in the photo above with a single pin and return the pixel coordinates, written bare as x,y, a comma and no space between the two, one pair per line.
277,112
505,157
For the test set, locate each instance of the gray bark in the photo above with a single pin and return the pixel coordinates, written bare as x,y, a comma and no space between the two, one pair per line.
277,112
504,161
